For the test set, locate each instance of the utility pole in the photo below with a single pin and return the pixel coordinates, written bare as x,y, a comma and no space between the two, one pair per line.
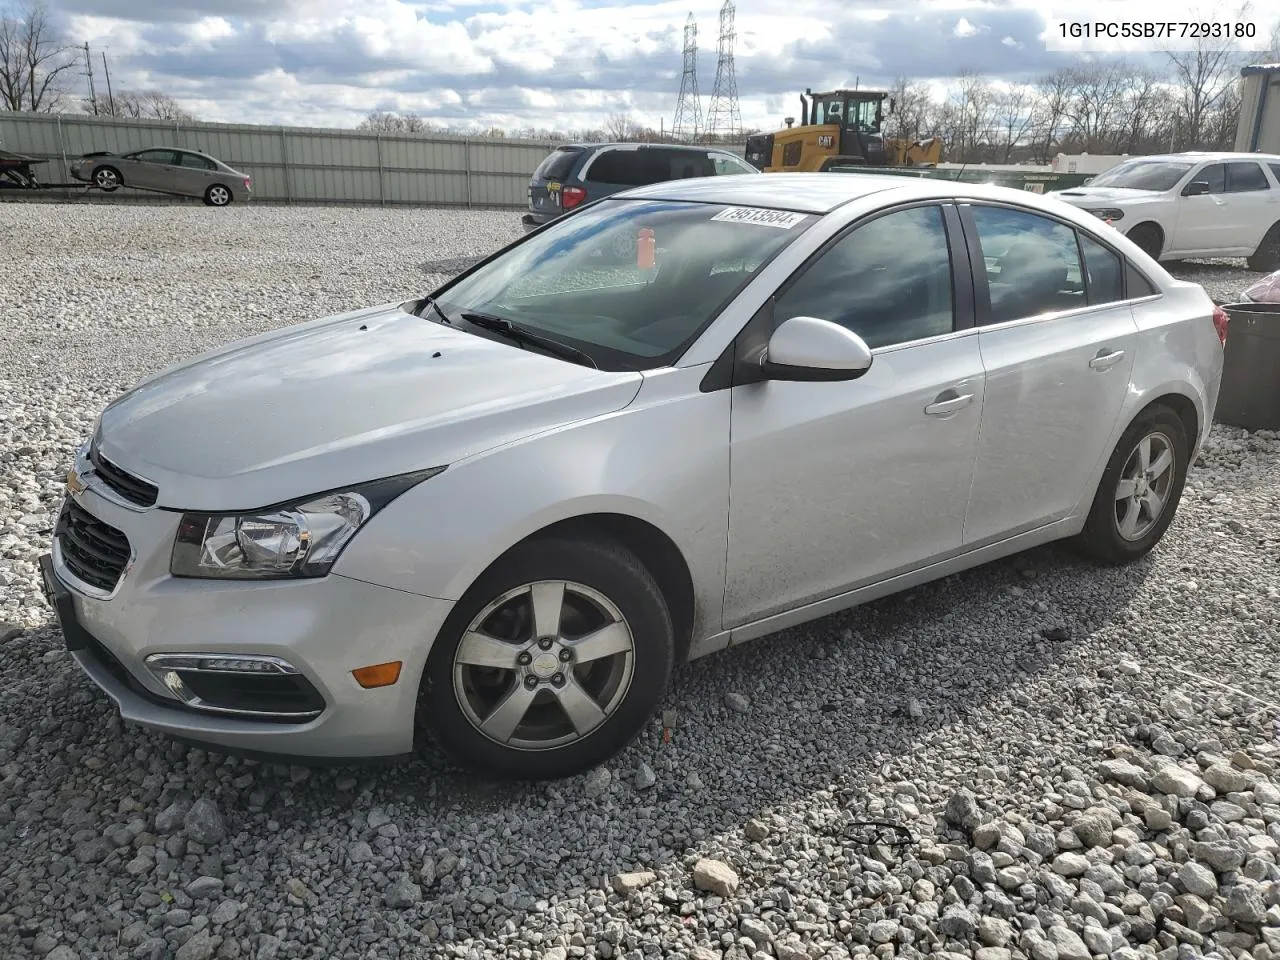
88,69
688,121
110,96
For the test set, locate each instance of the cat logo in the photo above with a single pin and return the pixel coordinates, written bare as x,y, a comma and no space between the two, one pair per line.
826,140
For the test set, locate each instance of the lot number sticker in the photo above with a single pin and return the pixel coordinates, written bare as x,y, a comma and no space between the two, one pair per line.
782,219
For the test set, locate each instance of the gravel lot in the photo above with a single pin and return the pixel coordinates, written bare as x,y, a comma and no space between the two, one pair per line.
1088,761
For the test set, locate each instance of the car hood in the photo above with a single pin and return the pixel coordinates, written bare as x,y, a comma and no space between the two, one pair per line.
1087,196
339,401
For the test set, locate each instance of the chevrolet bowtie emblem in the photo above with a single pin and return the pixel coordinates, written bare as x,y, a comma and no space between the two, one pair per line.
74,483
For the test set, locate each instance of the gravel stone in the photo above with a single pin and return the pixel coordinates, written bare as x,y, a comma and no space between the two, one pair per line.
625,883
716,877
996,712
1198,879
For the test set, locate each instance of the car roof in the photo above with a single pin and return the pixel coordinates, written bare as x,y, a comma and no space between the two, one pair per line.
801,192
632,145
1196,156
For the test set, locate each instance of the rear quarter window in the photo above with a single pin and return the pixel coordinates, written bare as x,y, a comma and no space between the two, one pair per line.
557,165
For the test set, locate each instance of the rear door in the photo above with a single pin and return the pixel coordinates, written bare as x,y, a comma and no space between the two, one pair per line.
1254,204
549,177
1058,342
151,170
194,174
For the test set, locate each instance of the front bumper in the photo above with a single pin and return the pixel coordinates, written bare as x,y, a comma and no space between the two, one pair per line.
324,627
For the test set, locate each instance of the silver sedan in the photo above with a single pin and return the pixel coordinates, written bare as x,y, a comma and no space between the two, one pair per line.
503,512
184,173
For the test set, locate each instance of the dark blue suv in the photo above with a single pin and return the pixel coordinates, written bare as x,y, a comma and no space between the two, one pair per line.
577,173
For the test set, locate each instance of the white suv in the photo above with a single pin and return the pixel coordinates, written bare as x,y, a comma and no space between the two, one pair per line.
1192,205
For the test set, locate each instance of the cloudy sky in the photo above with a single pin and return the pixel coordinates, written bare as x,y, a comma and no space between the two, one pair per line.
561,63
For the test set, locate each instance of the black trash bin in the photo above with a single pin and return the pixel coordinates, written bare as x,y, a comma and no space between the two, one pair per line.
1250,392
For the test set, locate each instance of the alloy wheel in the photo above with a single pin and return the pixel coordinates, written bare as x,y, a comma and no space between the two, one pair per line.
219,196
1143,489
543,665
106,179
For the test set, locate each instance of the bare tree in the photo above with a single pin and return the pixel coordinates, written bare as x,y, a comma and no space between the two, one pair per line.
381,121
973,104
1205,74
621,127
912,110
138,104
33,60
1015,118
1049,115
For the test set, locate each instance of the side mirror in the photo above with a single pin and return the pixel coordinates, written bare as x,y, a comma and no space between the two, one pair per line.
809,349
1196,188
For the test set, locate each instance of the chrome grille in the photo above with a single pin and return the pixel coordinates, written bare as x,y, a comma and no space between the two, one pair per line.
134,489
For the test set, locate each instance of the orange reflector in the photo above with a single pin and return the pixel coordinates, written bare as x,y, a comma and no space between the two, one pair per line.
377,675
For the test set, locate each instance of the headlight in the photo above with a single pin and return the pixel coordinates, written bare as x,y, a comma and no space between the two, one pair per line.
300,539
1108,213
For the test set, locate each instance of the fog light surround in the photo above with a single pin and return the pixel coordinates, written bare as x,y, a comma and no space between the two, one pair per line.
243,685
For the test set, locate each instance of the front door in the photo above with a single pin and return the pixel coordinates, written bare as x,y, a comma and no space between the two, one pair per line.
152,170
1058,344
834,485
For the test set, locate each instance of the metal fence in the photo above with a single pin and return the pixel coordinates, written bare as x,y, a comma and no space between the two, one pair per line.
300,164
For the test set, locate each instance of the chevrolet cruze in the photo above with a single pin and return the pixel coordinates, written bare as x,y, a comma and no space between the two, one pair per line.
502,512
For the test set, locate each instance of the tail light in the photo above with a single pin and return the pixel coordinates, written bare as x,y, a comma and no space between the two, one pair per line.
246,183
1220,320
571,197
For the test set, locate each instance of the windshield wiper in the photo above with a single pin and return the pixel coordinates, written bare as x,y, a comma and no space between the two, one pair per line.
439,312
524,335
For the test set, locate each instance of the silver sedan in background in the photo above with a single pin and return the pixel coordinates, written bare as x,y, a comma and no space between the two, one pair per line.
172,170
503,512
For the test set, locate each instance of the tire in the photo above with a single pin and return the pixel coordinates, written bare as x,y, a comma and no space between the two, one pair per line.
1113,534
462,703
1266,258
217,196
1148,237
108,179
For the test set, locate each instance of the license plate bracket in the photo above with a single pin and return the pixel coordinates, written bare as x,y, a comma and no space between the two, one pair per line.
60,599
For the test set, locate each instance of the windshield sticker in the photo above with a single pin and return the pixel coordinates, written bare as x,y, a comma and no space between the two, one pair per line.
782,219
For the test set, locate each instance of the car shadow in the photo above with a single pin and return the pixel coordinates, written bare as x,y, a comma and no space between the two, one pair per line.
893,680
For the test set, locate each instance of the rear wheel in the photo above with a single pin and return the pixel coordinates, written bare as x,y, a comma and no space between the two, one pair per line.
107,179
1140,489
1267,257
1148,237
552,662
217,196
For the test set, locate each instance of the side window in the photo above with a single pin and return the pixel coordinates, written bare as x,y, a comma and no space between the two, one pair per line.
195,161
154,156
1245,177
728,166
618,167
792,153
1139,286
1105,271
1275,171
889,280
682,165
1215,174
1033,263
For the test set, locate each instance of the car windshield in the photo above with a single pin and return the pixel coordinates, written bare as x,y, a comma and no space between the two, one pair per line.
1142,175
630,283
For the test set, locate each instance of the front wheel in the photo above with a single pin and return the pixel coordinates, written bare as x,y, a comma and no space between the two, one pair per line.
1147,237
107,179
217,196
1140,489
1267,257
552,662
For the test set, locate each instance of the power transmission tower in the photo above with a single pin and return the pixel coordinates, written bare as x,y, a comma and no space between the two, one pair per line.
725,115
688,121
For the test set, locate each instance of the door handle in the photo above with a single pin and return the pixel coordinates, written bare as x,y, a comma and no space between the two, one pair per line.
949,406
1105,360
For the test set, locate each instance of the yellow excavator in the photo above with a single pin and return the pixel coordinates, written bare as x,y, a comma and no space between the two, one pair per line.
837,129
